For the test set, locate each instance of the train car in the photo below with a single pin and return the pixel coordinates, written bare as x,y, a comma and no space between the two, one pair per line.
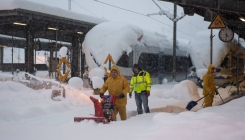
158,62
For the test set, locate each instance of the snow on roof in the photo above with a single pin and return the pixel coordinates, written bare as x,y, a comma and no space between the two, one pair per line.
109,38
116,38
199,48
31,6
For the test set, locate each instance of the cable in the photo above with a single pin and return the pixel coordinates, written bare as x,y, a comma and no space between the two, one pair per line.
169,26
139,14
161,22
164,6
183,19
120,8
84,8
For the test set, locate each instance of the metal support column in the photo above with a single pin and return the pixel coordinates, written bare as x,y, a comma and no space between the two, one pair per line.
174,42
237,67
51,61
160,67
1,57
56,51
12,67
75,56
29,50
82,55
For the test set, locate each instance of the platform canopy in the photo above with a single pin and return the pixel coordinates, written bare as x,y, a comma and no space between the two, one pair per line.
232,11
44,21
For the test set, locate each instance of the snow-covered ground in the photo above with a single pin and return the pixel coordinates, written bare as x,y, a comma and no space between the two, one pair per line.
27,114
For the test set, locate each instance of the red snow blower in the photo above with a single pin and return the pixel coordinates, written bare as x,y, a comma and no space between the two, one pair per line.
103,110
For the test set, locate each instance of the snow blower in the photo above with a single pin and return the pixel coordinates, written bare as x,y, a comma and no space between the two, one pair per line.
103,110
192,104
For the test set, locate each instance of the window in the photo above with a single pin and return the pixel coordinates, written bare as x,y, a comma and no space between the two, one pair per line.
126,60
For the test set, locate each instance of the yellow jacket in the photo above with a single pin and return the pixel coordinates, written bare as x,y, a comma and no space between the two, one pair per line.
140,82
208,82
116,86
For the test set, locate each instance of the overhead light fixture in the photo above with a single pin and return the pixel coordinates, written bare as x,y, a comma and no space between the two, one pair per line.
3,46
50,28
242,19
19,23
80,33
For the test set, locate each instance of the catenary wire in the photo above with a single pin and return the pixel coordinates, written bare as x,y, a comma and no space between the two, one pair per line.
139,14
84,8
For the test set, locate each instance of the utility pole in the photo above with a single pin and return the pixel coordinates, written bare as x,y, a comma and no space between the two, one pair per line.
69,5
174,42
12,67
237,66
175,19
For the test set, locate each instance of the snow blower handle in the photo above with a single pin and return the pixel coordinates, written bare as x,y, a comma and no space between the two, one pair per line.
101,95
121,96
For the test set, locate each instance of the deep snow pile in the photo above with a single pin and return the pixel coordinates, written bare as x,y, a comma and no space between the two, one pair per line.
22,109
115,38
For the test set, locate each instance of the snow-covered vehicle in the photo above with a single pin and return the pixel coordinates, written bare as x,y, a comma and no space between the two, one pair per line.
128,44
157,62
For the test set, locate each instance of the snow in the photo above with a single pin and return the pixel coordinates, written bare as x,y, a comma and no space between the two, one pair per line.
96,76
63,51
111,38
116,38
75,82
31,114
199,49
27,114
50,10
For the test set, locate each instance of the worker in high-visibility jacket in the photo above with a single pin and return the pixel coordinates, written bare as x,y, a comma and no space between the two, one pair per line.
140,83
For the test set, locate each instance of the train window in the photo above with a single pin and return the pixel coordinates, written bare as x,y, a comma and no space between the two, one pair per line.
168,63
153,64
182,64
149,62
125,60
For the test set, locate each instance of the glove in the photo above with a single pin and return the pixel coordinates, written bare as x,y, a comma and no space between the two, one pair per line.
101,95
121,95
216,91
130,95
147,93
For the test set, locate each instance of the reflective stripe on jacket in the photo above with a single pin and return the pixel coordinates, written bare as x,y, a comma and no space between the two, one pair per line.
140,82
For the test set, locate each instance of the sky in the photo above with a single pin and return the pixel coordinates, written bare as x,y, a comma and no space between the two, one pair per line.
135,12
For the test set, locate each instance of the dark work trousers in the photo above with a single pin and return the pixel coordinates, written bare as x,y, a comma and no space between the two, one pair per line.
139,99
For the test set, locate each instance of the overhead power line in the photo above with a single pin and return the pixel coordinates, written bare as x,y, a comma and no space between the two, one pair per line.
183,19
119,8
84,8
139,14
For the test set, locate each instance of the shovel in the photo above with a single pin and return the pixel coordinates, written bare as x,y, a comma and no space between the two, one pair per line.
192,104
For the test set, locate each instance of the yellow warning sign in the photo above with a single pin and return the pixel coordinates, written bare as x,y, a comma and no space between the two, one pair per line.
109,58
217,23
111,61
63,60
